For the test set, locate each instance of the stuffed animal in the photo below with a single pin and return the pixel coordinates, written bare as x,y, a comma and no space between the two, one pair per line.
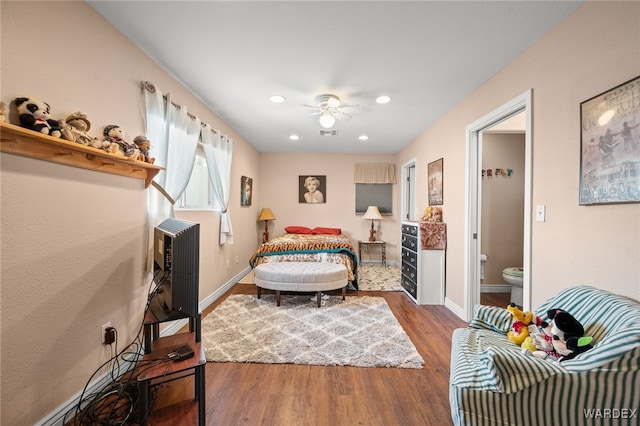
75,127
432,214
34,115
563,337
114,134
144,145
519,331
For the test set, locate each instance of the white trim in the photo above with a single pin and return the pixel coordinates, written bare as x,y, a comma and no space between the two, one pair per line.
495,288
456,309
56,417
473,197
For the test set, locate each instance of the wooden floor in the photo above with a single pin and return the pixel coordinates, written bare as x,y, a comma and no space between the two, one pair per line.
286,394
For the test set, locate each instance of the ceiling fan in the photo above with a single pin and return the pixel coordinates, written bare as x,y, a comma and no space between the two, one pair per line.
330,108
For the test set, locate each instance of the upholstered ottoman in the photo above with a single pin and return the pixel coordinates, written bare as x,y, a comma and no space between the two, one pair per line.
301,276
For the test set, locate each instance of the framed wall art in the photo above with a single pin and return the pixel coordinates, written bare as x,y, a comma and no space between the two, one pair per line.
312,189
246,189
434,179
610,146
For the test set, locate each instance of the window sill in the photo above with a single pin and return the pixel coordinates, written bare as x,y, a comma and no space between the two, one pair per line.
27,143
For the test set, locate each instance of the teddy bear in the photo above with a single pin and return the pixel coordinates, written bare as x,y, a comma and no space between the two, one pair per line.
113,134
75,127
563,339
34,115
143,145
432,214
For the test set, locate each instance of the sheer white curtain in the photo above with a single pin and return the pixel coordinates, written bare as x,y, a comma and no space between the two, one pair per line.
174,137
218,150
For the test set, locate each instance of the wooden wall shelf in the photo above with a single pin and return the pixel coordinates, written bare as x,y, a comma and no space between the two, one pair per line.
27,143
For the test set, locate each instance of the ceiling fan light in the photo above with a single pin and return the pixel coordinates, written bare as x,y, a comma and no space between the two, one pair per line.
327,120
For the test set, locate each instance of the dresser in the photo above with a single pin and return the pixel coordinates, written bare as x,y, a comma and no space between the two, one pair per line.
423,261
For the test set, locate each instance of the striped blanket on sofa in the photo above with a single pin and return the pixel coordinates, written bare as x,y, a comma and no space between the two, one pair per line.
493,383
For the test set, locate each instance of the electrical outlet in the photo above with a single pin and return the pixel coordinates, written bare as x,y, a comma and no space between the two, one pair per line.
103,332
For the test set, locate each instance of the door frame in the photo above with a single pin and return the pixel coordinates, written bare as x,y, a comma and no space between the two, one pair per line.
473,196
408,193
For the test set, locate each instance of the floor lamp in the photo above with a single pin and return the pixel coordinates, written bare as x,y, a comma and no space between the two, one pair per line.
374,214
266,214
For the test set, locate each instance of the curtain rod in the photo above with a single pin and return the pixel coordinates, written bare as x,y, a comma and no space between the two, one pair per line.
146,85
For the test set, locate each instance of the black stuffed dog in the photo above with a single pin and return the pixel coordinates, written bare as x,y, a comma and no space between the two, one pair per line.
34,115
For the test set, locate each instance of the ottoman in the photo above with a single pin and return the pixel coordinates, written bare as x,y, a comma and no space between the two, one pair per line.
301,276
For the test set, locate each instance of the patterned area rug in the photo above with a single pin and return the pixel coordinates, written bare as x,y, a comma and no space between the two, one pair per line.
360,331
370,278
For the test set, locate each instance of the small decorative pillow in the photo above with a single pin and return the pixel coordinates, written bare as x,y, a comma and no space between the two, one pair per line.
297,230
330,231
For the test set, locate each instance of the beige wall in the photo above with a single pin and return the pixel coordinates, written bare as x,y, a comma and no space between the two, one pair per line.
502,204
278,183
596,48
73,251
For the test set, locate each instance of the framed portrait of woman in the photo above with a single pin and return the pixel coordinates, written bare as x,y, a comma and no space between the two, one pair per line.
312,189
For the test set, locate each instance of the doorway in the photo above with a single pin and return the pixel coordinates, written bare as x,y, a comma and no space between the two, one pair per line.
408,210
473,195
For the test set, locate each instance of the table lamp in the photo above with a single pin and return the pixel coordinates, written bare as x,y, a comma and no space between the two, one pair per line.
374,214
266,215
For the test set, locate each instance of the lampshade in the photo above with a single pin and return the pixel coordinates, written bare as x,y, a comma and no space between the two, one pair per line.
266,214
372,213
327,120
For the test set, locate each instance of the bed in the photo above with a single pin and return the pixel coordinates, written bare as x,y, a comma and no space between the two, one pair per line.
301,244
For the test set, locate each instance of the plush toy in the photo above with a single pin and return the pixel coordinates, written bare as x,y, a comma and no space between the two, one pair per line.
519,331
34,115
114,134
563,337
432,214
75,127
143,145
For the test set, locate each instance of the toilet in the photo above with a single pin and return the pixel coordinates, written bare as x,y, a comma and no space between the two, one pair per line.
513,276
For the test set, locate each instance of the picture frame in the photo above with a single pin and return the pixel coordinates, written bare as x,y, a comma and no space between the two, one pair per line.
435,174
246,191
610,146
312,189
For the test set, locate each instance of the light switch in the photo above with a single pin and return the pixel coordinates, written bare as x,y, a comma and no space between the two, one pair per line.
540,213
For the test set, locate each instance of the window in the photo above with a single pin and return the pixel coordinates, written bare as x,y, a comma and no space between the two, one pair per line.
374,194
198,194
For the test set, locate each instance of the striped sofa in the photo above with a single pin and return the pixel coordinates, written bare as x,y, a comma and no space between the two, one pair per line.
493,383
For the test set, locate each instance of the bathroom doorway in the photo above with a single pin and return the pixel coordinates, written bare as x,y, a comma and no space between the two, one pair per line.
502,209
473,194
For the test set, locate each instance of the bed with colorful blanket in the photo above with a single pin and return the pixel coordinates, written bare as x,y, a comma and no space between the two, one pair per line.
319,246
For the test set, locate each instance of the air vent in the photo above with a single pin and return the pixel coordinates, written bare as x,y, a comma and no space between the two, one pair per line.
332,132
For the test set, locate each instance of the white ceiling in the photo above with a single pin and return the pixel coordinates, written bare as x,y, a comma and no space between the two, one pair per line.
426,55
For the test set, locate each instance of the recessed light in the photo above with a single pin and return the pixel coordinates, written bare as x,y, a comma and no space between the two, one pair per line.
294,137
383,99
277,99
363,137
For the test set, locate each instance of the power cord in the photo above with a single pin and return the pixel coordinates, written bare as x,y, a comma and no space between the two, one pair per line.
117,402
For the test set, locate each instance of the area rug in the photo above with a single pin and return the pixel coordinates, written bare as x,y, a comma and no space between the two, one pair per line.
370,278
359,331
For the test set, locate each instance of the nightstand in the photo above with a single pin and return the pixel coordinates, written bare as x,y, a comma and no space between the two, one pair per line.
366,244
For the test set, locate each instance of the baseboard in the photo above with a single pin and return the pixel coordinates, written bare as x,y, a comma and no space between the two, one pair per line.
57,417
495,288
457,310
